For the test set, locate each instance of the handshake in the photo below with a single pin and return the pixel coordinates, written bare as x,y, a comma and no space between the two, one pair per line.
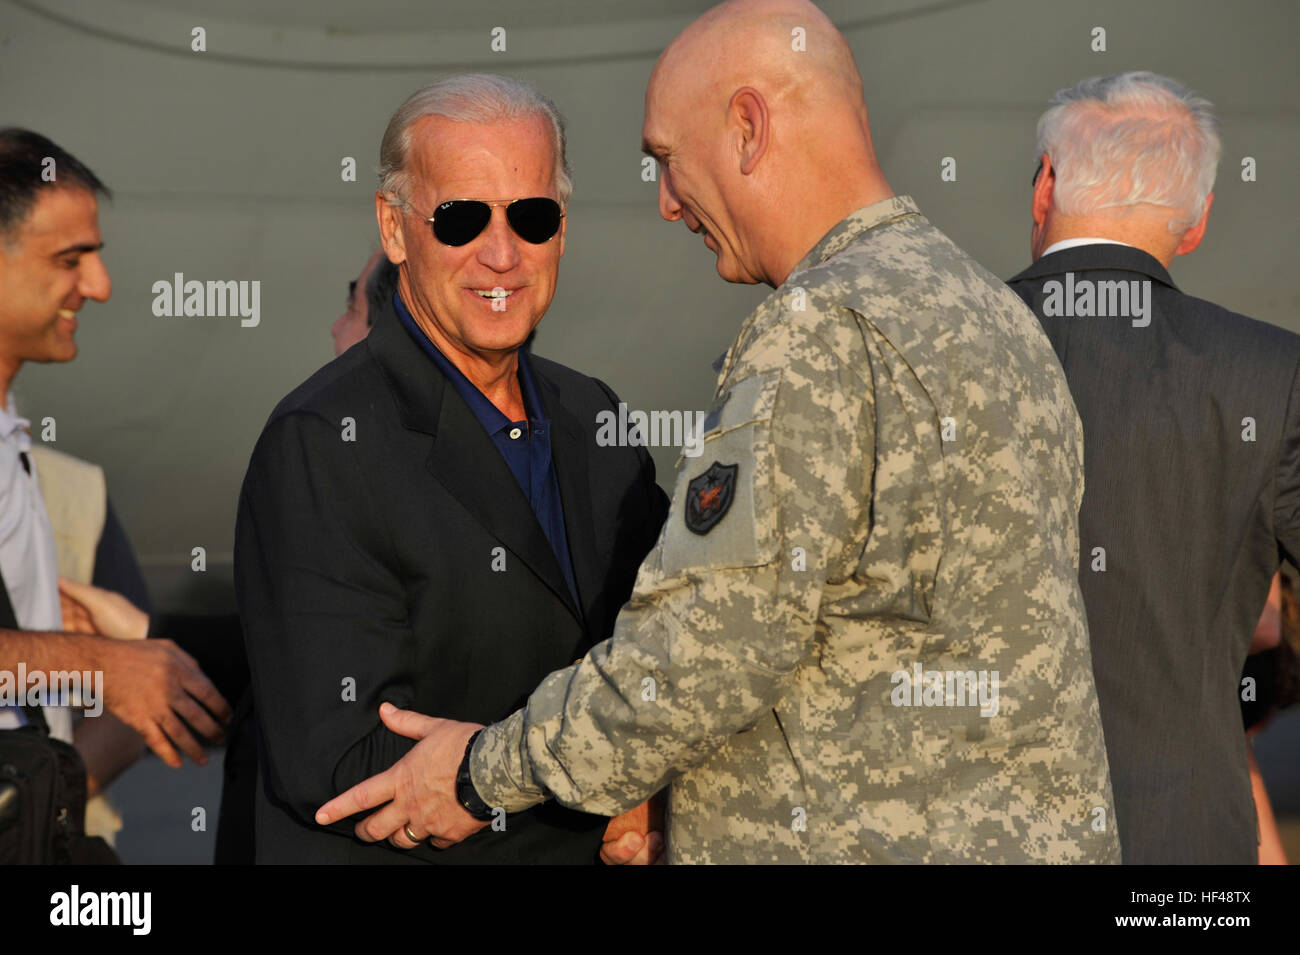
419,801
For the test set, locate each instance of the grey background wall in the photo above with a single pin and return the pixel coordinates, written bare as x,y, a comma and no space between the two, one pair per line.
226,165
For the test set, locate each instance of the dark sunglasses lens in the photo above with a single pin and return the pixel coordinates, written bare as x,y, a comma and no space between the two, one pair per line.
460,221
536,220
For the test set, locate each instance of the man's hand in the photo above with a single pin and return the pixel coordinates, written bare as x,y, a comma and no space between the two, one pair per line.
76,618
150,685
108,613
636,837
419,789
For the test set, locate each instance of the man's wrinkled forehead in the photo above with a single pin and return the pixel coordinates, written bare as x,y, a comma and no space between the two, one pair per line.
449,156
672,97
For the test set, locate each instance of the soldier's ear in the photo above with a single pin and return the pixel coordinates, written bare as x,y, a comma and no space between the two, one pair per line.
749,114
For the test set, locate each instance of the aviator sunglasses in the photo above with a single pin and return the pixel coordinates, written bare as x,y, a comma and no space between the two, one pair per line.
460,221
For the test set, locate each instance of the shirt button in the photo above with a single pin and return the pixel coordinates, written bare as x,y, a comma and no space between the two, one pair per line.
515,432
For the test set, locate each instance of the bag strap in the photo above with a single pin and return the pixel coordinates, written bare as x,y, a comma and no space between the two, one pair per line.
35,715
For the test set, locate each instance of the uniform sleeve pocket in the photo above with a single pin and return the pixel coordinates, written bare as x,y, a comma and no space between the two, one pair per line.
723,510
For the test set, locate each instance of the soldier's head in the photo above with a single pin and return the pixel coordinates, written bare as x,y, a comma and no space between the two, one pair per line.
483,157
367,294
1130,157
756,116
49,249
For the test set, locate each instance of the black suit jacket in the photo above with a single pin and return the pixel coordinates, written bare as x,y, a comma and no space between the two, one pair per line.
369,563
1193,520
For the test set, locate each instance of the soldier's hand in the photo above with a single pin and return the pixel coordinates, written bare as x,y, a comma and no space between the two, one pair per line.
418,792
633,848
151,686
636,837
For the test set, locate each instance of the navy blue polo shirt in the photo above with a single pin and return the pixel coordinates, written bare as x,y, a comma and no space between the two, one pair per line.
525,445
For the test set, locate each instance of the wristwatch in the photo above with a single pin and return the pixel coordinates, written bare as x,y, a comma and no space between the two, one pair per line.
466,794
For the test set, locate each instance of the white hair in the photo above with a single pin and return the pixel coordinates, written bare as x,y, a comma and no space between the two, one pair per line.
467,98
1132,138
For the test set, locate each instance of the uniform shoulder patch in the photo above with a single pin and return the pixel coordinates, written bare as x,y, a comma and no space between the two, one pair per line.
709,496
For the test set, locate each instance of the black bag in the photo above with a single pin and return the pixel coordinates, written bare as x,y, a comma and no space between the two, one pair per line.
43,792
43,800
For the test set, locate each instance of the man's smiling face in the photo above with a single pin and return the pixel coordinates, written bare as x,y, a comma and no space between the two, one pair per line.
449,286
49,266
690,154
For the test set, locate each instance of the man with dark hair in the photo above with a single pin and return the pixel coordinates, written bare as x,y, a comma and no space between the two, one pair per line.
30,164
367,295
49,267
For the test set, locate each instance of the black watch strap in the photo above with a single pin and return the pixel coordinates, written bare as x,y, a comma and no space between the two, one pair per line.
466,794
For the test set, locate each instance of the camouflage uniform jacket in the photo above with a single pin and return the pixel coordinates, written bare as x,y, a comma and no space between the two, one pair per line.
886,507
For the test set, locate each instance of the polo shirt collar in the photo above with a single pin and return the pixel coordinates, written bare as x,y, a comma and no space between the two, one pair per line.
488,414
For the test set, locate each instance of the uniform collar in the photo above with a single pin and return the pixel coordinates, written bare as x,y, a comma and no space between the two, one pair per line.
881,213
855,224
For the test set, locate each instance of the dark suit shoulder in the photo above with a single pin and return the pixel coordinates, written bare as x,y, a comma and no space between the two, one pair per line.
1220,335
586,397
1235,346
575,388
1267,341
334,388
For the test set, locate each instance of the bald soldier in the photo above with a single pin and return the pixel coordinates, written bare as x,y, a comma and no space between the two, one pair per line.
859,637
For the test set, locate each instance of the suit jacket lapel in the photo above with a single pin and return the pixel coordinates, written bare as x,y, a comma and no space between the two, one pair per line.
569,455
469,466
463,458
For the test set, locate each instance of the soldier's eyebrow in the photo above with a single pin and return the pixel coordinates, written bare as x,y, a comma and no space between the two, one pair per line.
352,290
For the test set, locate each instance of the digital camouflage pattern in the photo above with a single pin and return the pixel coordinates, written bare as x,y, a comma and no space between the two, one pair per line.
908,473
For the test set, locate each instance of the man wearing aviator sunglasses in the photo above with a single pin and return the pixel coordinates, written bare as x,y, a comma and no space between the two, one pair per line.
460,221
429,515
